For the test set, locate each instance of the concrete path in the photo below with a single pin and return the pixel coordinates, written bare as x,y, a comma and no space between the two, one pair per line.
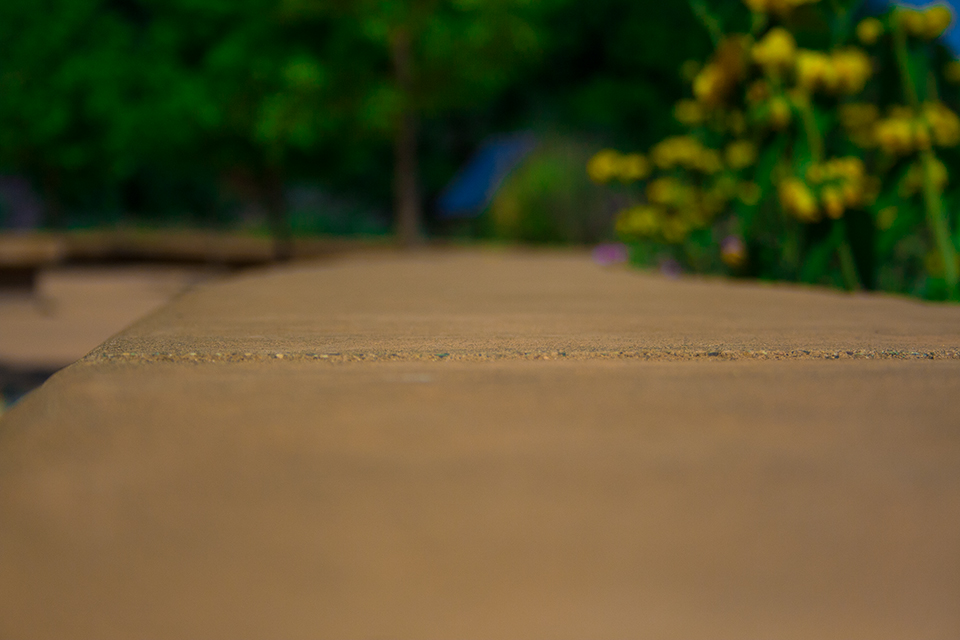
492,445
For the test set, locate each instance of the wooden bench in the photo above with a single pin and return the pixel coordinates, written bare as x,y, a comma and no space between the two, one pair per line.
23,255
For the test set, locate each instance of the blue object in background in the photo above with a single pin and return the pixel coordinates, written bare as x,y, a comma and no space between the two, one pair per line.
950,37
472,189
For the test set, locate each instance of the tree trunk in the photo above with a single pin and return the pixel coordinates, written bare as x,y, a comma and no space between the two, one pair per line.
276,206
406,190
53,206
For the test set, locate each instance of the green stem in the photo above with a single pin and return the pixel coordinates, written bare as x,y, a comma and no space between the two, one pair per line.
933,95
903,61
758,22
710,21
815,141
848,267
932,202
791,248
841,25
810,129
938,224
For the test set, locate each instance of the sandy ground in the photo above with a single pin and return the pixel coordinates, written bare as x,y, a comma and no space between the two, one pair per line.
492,445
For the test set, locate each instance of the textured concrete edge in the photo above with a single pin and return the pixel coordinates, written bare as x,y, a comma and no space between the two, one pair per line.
101,356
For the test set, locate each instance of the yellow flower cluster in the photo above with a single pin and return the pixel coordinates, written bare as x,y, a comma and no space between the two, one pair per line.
944,124
830,188
687,152
904,132
609,165
720,76
797,198
858,115
926,24
674,208
670,192
776,51
859,119
642,221
689,112
740,154
779,112
651,221
869,31
776,6
933,262
844,71
913,180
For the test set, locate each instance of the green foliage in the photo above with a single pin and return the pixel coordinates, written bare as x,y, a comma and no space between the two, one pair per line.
807,157
548,199
120,108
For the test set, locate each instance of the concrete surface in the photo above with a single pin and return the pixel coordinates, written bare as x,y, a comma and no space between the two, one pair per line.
492,445
75,309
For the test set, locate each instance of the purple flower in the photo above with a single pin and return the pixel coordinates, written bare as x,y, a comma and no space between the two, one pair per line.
610,253
670,268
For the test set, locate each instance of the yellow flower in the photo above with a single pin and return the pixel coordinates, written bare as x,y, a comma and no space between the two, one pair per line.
798,200
936,20
812,68
689,112
913,180
725,187
869,30
852,68
833,200
856,115
895,135
736,122
842,71
776,51
608,165
709,86
845,184
934,264
886,217
685,151
815,174
740,154
951,71
911,20
717,79
849,168
675,229
779,113
634,166
666,191
780,7
859,119
926,24
943,123
604,166
708,161
638,222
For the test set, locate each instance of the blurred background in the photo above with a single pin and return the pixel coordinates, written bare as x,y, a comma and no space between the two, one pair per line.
146,145
309,117
198,136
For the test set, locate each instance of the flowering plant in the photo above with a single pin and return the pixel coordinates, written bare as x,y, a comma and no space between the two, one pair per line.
816,148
